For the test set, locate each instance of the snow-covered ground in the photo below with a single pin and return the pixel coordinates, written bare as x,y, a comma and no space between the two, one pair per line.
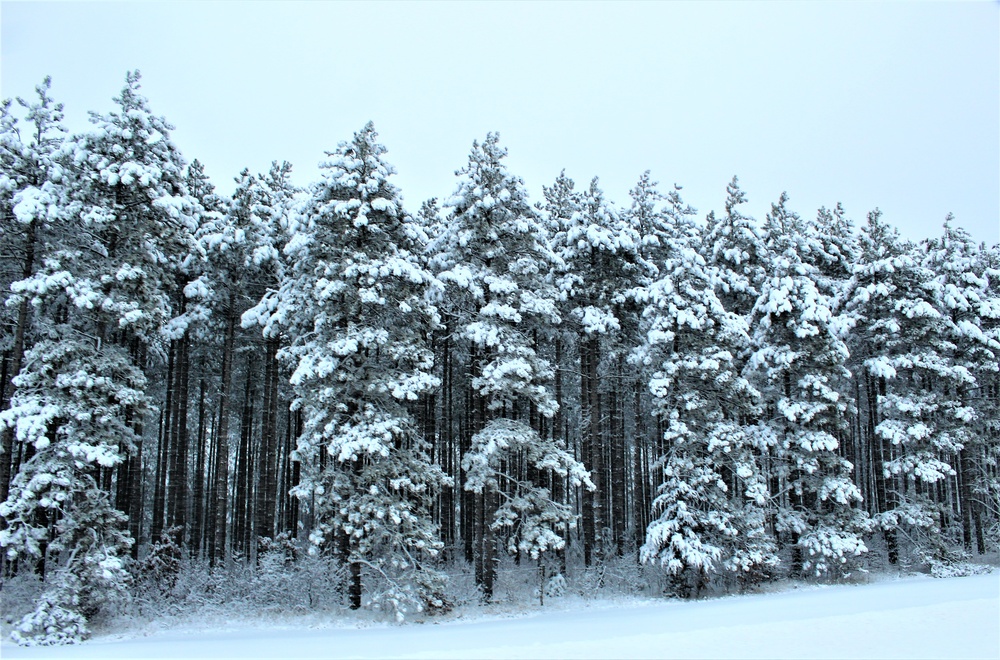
914,617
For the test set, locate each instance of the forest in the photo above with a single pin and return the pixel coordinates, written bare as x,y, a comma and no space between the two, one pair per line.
363,401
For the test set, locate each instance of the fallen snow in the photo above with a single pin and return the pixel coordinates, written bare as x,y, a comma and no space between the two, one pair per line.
914,617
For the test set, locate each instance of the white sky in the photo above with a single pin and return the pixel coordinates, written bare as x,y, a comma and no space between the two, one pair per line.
888,104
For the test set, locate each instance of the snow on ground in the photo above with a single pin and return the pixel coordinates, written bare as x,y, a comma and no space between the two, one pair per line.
914,617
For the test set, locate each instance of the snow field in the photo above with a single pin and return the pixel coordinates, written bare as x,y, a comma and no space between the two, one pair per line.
915,617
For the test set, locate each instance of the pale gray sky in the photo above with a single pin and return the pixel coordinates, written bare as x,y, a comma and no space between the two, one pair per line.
889,104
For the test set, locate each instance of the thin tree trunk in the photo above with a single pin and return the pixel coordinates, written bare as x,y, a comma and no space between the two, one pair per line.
448,448
7,466
589,417
169,441
618,463
160,485
597,462
222,445
178,495
489,545
267,486
640,503
558,484
243,497
198,497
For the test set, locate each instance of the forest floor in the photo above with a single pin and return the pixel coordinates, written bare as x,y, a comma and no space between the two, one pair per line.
888,617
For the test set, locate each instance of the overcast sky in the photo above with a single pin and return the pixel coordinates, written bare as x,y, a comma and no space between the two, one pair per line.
894,104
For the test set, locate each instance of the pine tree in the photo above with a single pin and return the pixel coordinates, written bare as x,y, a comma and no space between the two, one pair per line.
561,203
355,304
709,512
986,487
665,226
896,340
533,519
798,364
602,252
30,170
494,262
972,359
102,299
733,243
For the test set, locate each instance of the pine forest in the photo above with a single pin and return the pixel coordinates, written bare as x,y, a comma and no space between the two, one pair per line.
367,405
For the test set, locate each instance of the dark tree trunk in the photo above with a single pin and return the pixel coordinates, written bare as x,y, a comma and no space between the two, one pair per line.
618,462
267,486
217,551
965,473
471,510
169,441
640,480
177,485
198,497
7,465
160,486
593,452
489,545
559,490
243,497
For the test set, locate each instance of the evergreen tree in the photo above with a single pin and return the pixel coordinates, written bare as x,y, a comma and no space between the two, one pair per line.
29,172
355,304
972,359
799,365
710,509
896,339
102,300
733,243
603,253
494,261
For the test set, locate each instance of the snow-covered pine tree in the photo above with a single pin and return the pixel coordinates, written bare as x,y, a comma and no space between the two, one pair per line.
561,202
267,237
832,248
733,243
665,224
533,520
709,512
29,172
986,488
243,241
968,306
895,343
661,220
494,261
210,207
101,298
798,364
355,306
602,251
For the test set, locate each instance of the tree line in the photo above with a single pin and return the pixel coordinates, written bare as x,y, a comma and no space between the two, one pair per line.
566,382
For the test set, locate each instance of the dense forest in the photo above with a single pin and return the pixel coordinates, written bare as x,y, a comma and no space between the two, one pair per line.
190,378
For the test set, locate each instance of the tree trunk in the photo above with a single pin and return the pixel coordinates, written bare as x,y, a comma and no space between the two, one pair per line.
618,460
198,497
267,485
243,498
169,440
640,500
558,483
177,484
218,549
595,449
586,442
489,545
160,486
447,441
7,465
